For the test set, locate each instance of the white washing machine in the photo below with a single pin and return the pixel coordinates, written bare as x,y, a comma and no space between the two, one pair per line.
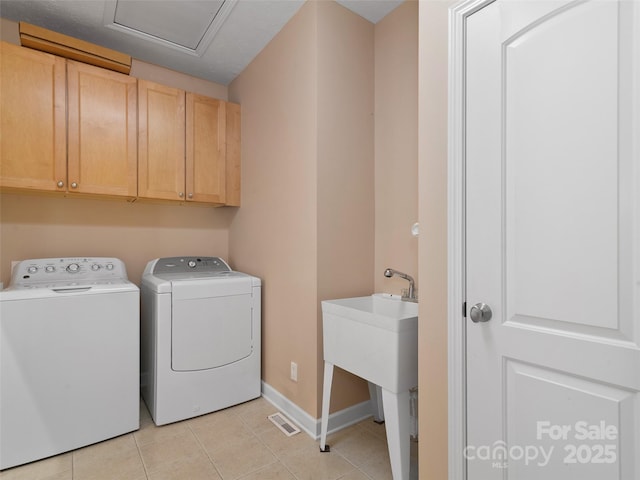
200,337
69,357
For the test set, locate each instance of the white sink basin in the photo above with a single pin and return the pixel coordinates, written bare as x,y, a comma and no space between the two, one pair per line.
374,337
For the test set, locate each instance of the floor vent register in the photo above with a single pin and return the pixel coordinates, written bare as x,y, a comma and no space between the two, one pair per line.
285,425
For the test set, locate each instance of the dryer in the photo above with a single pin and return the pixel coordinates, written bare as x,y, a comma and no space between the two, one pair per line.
69,357
200,337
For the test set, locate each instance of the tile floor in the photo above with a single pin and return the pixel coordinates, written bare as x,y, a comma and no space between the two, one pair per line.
236,443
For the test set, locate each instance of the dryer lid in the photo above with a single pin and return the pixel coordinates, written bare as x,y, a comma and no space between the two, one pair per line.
161,274
169,266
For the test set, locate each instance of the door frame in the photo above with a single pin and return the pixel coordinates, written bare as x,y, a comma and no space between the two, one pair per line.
456,184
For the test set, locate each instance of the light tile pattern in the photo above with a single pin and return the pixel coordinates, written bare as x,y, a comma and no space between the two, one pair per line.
236,443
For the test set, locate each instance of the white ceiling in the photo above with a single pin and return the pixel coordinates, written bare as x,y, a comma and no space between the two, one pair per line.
210,39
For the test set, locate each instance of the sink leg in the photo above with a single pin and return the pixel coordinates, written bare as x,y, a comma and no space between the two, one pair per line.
396,412
375,397
326,399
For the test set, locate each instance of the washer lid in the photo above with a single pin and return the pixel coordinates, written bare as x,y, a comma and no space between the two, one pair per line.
65,290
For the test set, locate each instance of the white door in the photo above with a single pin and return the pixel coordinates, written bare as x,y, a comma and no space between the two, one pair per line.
553,240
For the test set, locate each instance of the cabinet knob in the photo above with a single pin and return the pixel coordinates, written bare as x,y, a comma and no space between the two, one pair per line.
60,184
191,195
74,185
181,194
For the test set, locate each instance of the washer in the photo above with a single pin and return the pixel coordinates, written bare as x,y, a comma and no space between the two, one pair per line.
200,349
69,357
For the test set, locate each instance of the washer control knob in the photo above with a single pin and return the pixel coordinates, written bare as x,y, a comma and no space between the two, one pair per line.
49,269
73,268
32,269
95,267
109,266
192,264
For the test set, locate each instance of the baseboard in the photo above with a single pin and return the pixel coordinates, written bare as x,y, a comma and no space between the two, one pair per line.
307,423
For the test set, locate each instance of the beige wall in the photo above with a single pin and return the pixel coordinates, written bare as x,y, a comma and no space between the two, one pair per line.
308,104
33,226
345,173
274,233
306,222
396,146
37,226
432,155
9,31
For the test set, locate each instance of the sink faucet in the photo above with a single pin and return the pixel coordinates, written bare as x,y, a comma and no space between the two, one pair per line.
411,296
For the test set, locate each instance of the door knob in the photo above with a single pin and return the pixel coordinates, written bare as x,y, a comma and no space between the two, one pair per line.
480,312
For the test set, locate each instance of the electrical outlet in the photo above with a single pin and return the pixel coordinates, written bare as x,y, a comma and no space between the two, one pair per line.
294,371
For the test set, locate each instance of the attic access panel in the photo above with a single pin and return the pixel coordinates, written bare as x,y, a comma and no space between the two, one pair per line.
188,25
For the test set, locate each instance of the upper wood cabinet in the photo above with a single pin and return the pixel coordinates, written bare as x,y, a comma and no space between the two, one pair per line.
80,129
182,145
32,119
161,141
102,131
66,126
206,146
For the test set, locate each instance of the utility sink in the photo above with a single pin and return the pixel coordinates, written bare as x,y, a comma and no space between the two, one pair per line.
374,337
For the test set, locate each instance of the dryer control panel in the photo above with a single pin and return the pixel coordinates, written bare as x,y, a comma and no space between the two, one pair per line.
67,269
190,265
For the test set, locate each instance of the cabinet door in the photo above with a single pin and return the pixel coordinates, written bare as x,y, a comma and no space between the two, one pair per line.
161,141
233,155
206,154
102,125
32,119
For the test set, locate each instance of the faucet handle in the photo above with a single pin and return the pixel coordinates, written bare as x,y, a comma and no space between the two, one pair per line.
407,297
